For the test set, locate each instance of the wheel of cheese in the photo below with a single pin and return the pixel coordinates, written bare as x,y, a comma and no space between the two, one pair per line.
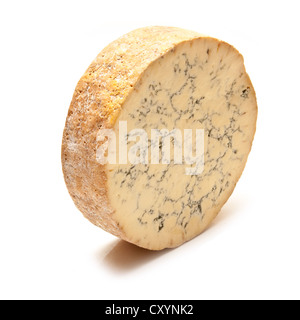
153,79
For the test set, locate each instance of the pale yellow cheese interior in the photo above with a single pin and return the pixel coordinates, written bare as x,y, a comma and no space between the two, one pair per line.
201,84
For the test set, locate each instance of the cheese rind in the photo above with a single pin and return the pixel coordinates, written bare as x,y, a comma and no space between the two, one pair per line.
155,78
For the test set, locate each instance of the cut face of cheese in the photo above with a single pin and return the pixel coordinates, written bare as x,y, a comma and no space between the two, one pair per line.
188,85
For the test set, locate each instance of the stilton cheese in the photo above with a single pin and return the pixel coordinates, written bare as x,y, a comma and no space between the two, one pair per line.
176,84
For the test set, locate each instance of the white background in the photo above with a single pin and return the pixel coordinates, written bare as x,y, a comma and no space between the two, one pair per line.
49,251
